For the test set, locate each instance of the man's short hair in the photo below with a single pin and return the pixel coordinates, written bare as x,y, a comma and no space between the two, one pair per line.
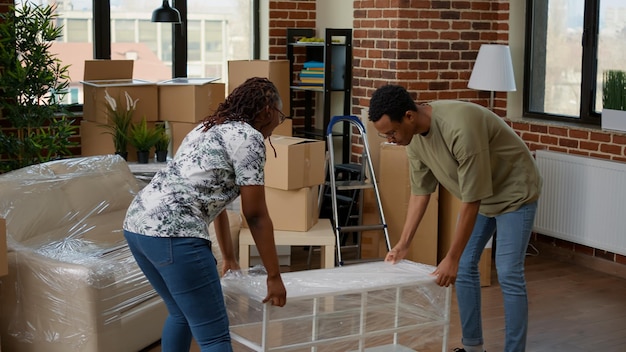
391,100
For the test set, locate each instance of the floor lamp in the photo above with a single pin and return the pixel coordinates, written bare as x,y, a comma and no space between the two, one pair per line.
493,70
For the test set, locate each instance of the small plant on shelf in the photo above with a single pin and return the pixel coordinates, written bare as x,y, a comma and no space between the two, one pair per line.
614,90
162,144
143,138
120,122
614,100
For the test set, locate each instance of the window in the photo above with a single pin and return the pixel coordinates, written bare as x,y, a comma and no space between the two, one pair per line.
569,44
215,31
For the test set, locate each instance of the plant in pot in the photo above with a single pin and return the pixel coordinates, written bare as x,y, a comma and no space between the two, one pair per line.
143,138
37,127
120,122
614,100
162,144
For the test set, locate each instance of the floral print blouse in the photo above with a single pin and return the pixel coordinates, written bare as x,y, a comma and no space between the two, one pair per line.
199,182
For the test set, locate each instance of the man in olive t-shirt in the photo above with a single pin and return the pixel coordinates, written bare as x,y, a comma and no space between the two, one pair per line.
476,156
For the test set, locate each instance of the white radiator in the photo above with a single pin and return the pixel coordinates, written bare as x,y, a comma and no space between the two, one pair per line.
583,200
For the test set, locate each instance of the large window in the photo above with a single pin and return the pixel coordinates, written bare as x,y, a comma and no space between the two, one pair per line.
214,31
570,43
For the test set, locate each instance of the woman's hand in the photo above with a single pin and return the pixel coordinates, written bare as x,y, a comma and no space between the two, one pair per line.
396,254
276,292
229,264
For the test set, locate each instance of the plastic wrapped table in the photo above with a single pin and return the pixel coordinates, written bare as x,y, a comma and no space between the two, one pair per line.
370,307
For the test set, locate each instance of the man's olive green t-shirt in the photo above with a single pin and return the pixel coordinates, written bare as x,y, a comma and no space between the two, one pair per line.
475,155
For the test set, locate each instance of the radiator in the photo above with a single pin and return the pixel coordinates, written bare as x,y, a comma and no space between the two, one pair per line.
583,200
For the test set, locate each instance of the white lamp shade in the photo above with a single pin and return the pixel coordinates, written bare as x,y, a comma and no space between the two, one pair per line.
493,70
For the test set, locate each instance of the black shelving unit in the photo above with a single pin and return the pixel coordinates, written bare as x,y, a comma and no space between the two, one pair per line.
337,59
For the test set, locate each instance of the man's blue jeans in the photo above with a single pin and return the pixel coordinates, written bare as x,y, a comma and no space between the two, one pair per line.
513,233
183,272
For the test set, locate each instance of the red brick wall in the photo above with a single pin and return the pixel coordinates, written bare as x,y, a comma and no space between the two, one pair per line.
4,5
285,14
427,46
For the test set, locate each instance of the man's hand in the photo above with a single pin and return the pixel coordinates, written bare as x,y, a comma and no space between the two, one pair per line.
446,272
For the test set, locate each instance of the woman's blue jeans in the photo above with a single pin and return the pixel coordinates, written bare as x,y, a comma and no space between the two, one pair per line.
513,233
183,272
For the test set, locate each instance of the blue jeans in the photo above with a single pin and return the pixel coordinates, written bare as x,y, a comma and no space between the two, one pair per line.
183,272
513,233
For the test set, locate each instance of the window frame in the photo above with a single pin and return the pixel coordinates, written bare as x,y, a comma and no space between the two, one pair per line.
102,34
589,42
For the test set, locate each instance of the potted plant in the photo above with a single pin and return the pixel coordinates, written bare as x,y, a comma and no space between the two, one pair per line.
614,100
143,138
120,122
37,127
162,144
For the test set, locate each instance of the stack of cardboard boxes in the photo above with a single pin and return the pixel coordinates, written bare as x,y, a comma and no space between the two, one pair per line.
180,103
292,181
115,78
185,102
292,178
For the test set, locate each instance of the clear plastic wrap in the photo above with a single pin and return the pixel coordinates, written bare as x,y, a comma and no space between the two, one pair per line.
73,284
361,307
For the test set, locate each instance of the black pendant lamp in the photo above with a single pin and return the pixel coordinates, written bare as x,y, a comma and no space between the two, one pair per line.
165,13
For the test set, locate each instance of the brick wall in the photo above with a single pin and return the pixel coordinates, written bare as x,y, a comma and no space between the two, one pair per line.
285,14
4,5
427,46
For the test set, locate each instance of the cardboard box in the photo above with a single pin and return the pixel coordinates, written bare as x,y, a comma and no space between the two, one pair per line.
189,99
179,131
372,241
373,141
95,140
395,190
284,129
4,265
299,162
294,210
116,77
449,207
277,71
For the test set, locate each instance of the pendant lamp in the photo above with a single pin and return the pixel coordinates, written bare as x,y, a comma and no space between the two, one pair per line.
165,13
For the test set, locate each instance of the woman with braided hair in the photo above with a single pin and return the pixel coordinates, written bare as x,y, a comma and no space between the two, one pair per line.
166,224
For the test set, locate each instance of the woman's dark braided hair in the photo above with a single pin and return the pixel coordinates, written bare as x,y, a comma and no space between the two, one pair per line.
245,103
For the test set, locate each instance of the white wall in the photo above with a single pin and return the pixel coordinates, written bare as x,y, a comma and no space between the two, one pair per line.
517,27
334,14
264,29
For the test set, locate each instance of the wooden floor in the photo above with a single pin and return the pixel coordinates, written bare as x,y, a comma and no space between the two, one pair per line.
572,308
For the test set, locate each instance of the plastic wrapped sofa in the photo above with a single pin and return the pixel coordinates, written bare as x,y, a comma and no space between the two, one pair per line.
73,284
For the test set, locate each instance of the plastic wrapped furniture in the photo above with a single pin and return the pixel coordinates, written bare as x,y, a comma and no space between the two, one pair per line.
73,284
371,307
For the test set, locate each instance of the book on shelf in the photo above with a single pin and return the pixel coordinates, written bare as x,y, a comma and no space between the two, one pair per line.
309,85
311,75
313,64
311,80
